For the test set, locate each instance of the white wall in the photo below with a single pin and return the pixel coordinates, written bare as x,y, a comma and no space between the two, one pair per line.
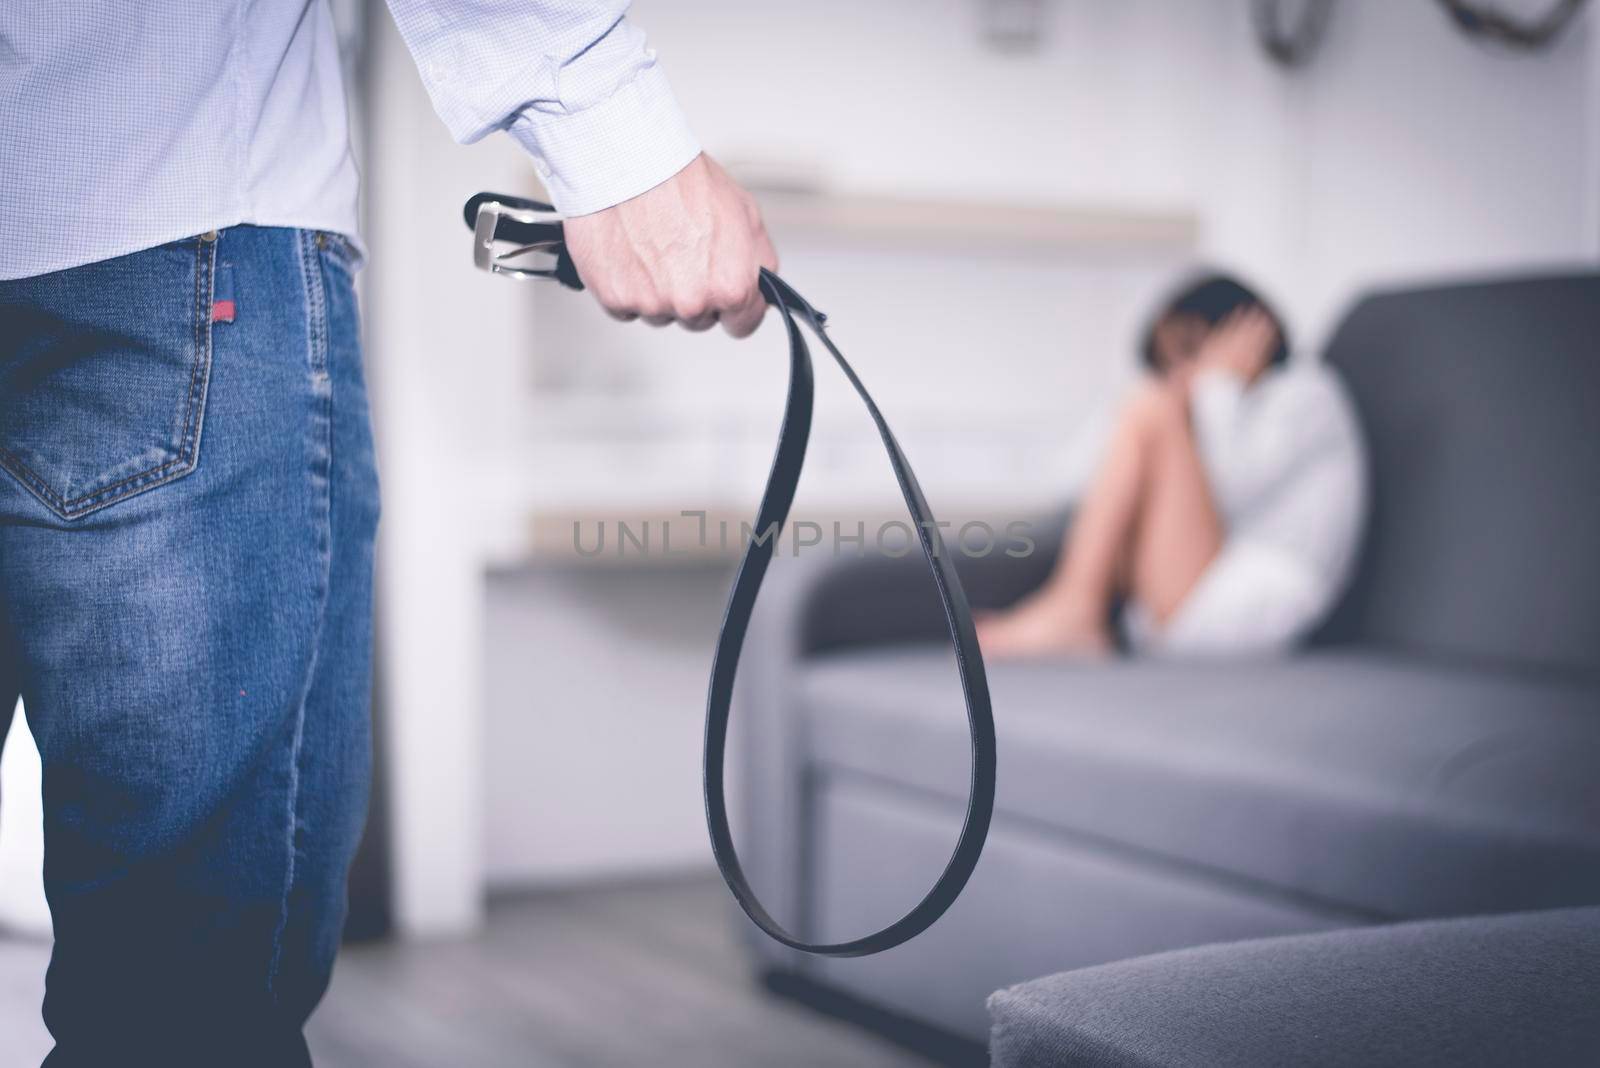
1419,154
1402,151
22,903
594,701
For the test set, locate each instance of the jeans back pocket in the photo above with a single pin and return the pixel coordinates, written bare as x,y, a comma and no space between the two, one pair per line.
103,375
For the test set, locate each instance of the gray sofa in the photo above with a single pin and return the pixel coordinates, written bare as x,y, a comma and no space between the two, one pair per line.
1432,753
1485,992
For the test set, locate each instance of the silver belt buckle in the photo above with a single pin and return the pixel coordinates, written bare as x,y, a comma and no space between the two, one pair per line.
484,257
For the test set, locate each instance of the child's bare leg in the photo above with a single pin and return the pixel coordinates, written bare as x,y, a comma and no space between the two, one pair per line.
1068,614
1180,530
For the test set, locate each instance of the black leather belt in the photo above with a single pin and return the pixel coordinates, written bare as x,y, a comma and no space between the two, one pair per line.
534,227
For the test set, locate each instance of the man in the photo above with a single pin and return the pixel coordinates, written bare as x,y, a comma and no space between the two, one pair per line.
187,492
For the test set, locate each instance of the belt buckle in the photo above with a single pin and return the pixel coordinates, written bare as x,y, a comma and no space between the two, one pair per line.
535,226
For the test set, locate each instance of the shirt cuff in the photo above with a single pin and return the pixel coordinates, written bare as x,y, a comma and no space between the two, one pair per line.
628,143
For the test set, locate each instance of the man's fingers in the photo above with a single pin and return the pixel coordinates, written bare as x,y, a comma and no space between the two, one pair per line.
743,320
765,253
697,311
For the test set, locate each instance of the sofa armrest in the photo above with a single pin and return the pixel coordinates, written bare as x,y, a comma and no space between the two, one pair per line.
881,600
1522,988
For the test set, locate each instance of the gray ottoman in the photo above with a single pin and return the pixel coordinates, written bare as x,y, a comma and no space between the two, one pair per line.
1516,989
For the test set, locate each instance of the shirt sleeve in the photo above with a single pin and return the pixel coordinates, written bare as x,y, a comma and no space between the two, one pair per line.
1216,401
572,81
1255,438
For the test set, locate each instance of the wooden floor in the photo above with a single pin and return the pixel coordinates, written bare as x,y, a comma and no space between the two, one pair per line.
626,975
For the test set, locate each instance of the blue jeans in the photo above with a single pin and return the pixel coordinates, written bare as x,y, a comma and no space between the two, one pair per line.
187,510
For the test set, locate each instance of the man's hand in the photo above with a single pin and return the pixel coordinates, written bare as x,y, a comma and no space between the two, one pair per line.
1242,343
688,250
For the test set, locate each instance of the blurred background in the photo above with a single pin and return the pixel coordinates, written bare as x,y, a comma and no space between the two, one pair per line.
986,197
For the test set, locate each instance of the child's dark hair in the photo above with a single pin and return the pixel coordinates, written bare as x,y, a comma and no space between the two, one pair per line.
1211,297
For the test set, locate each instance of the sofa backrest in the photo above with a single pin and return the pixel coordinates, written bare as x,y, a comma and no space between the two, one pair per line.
1481,406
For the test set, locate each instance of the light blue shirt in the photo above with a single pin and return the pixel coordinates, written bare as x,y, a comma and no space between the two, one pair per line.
125,124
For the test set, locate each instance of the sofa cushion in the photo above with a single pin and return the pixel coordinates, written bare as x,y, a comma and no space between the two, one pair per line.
1521,989
1378,786
1478,405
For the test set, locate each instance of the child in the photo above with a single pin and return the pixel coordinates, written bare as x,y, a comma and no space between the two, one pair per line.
1227,505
